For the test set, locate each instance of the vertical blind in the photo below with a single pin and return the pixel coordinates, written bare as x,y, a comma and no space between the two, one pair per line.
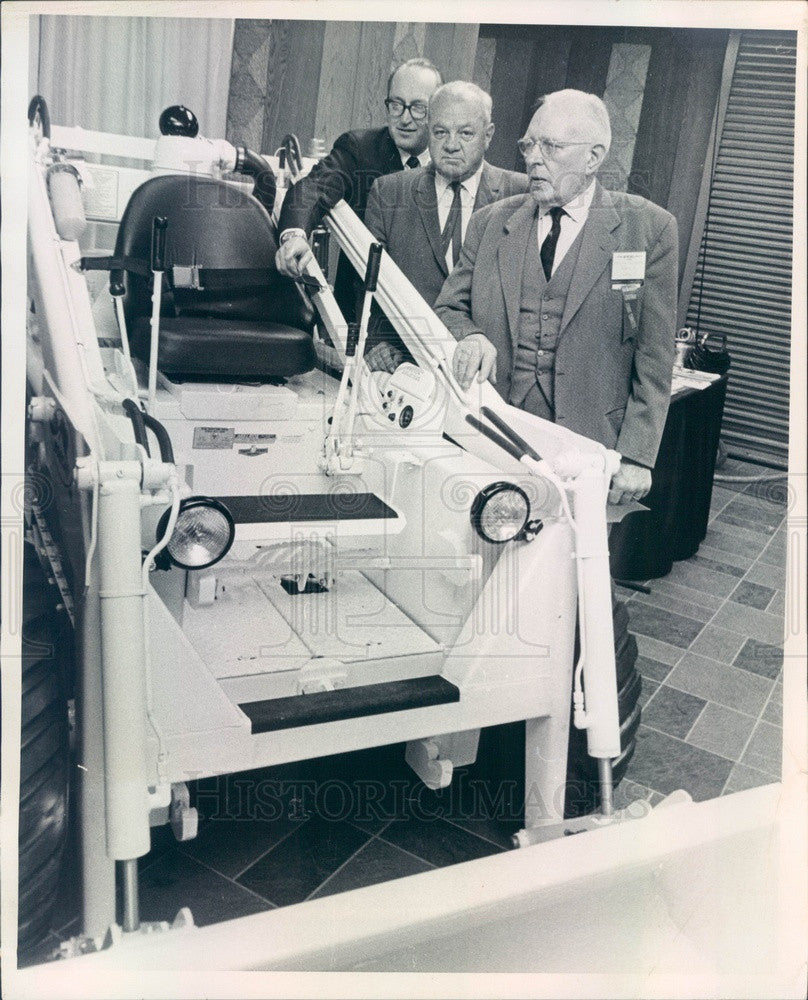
742,286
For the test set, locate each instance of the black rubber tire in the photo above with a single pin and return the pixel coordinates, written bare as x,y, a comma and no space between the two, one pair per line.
44,756
583,787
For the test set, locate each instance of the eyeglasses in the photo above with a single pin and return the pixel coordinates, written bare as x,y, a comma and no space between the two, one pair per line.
548,148
396,108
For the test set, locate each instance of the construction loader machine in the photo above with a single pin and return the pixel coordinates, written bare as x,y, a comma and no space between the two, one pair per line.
247,549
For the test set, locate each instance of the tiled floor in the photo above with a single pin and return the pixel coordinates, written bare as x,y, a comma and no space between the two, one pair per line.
710,641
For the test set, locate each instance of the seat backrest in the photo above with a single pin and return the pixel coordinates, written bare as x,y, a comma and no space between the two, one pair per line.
214,225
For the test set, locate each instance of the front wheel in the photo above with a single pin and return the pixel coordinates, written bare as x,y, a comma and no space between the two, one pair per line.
583,786
44,756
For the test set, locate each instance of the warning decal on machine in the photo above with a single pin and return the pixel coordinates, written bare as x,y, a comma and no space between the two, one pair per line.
255,438
214,437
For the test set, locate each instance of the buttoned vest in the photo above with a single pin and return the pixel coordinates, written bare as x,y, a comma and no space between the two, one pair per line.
541,308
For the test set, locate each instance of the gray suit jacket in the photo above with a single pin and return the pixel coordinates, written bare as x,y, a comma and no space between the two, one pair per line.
402,214
612,382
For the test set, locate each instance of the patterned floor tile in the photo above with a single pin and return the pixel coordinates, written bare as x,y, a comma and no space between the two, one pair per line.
720,498
664,585
775,551
767,575
436,841
676,630
729,518
724,562
742,777
664,763
773,712
177,880
698,612
739,541
697,576
721,684
672,712
230,846
753,595
758,511
303,861
377,861
760,658
777,605
652,671
765,749
648,689
722,731
661,652
630,791
756,624
717,643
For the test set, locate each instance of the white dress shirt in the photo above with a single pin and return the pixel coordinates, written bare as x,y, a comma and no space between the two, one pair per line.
577,211
423,158
468,195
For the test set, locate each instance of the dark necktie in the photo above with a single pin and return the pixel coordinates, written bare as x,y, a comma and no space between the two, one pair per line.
412,162
548,248
453,230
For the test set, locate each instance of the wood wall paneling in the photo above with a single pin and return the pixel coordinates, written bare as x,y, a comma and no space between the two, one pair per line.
510,83
376,41
292,81
695,136
452,47
665,98
335,96
589,55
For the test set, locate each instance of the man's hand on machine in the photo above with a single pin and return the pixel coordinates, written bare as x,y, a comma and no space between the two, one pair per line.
383,357
630,482
293,254
474,355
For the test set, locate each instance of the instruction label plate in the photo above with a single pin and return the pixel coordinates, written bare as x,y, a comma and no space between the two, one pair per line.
214,437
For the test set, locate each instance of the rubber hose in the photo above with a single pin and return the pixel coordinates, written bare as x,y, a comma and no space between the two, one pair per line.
135,414
250,163
720,478
154,425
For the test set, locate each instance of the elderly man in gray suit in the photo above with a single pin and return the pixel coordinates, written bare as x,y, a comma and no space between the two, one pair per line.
566,298
421,216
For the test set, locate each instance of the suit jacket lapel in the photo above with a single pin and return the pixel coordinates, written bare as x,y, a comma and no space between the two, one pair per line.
597,246
390,155
511,259
426,201
489,186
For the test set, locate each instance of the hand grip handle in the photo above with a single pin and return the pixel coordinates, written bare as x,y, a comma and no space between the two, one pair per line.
158,243
372,270
352,339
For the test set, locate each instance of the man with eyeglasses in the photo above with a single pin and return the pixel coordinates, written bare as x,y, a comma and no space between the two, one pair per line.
421,217
349,170
566,299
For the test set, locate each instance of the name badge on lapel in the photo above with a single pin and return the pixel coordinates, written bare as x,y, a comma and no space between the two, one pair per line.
628,275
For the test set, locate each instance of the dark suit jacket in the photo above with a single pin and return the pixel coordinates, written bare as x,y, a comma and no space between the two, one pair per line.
402,213
348,172
612,383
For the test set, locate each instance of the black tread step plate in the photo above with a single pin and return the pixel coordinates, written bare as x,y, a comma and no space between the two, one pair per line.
348,703
264,509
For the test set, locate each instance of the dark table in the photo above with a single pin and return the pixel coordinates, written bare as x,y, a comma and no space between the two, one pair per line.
646,543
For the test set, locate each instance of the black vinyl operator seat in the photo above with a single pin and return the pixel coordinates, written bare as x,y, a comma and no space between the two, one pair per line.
248,323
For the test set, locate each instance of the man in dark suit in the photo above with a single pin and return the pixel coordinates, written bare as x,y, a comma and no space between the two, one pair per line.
350,169
421,216
566,299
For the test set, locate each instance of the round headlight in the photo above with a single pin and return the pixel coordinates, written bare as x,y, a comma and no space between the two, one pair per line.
500,512
203,534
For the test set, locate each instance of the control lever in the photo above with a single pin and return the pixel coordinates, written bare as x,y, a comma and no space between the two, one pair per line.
158,255
339,443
